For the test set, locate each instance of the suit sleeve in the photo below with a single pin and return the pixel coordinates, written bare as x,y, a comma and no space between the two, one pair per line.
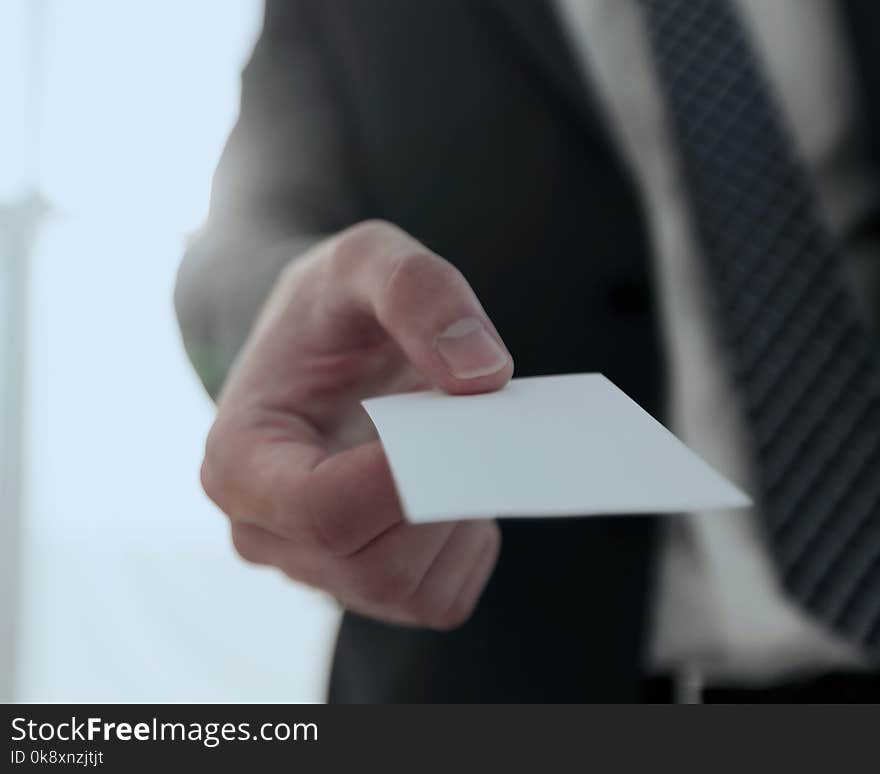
284,181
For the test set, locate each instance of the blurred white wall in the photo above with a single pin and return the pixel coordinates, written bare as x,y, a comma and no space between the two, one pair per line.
130,590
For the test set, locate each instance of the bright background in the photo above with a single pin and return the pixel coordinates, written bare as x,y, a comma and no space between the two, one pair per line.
128,588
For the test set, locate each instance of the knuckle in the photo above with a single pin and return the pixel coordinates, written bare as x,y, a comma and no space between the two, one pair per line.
226,474
242,489
277,498
278,521
434,609
417,275
418,269
373,229
208,480
360,240
457,612
215,473
331,532
246,546
293,570
453,616
386,586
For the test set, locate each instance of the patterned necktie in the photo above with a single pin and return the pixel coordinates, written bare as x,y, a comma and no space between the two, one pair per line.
798,352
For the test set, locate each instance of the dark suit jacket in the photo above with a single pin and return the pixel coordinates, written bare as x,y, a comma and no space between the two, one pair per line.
467,123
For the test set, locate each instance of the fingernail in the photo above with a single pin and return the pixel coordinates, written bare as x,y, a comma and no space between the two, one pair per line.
470,350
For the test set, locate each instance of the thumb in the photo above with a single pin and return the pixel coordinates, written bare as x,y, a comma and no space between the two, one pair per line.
427,306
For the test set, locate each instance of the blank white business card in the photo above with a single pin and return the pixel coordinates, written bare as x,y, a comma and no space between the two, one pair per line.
541,447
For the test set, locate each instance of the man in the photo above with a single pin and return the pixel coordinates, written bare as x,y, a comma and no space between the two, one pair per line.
681,195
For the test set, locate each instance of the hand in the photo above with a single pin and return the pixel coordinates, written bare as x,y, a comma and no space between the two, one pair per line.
293,459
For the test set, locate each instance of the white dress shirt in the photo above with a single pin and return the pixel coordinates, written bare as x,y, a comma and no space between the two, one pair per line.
720,612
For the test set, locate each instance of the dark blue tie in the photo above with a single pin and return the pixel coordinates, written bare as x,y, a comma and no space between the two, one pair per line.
797,349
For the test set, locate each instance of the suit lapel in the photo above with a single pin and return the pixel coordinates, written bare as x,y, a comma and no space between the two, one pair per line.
534,25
